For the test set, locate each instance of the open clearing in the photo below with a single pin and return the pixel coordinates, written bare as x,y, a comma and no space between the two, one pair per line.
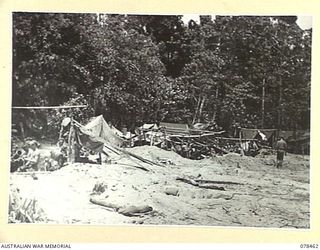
260,195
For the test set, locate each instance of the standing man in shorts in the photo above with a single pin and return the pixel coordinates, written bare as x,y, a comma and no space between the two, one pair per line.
281,148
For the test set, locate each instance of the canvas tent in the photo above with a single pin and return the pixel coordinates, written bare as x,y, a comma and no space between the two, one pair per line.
116,131
99,128
96,134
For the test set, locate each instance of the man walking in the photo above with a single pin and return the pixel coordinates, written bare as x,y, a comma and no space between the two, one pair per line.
281,148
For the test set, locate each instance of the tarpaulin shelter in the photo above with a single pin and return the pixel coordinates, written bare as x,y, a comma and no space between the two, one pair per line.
95,135
174,128
99,128
87,140
174,125
248,133
98,136
270,134
117,131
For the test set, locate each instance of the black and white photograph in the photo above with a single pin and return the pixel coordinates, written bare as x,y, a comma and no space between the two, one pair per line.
167,120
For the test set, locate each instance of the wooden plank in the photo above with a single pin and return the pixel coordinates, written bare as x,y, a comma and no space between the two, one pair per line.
196,184
139,157
205,131
218,182
49,107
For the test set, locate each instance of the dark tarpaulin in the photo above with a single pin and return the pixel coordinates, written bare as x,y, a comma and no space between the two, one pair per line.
86,140
268,132
248,133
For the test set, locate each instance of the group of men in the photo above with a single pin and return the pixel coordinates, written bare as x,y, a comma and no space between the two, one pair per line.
27,159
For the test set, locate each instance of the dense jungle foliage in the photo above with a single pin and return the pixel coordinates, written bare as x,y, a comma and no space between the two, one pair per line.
249,71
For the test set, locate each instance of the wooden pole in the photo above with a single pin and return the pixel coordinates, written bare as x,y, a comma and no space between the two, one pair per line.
50,107
71,151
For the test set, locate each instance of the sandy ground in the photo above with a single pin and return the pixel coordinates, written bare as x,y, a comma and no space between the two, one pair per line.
264,196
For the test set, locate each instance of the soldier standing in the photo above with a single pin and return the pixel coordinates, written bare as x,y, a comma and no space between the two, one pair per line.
281,148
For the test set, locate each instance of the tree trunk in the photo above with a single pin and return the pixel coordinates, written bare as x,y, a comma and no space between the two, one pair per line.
201,108
215,111
156,113
263,102
280,105
195,116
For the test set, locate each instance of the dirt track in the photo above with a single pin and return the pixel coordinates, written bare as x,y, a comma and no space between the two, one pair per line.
264,196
